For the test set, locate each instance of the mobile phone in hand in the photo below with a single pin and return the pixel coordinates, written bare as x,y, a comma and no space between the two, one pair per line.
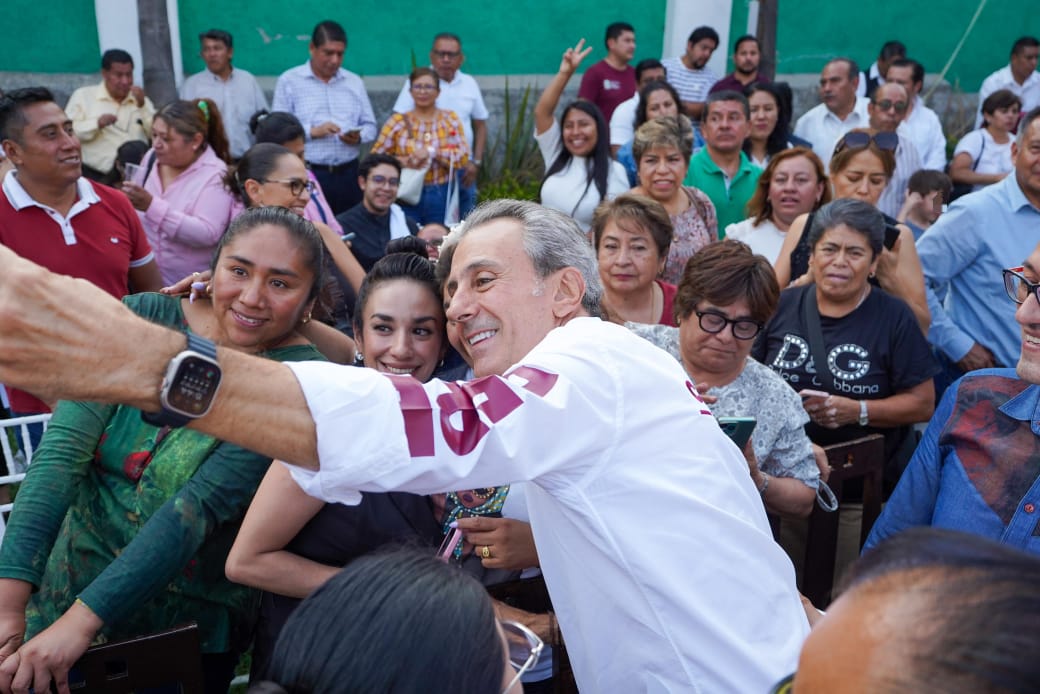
738,429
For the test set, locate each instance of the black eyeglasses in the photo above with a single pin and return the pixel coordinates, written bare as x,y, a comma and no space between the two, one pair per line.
296,186
886,104
886,141
1018,288
380,180
714,322
447,55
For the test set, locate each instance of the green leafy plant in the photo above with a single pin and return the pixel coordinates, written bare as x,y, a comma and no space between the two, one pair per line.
513,166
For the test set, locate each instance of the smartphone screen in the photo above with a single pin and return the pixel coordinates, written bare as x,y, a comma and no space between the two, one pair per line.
738,429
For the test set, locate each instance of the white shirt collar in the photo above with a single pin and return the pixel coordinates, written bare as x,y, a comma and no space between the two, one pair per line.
20,198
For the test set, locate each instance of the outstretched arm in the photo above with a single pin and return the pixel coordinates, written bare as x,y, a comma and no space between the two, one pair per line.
543,110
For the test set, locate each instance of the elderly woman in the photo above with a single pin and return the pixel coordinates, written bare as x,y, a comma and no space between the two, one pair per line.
428,138
183,205
579,173
854,353
124,521
861,167
632,234
662,148
727,293
656,100
793,184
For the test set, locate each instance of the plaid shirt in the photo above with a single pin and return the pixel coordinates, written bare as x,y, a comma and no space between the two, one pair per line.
445,135
342,100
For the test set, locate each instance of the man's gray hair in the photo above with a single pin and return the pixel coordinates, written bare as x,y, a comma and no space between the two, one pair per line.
1023,126
552,241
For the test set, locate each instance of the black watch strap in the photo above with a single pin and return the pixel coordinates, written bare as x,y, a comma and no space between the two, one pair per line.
165,416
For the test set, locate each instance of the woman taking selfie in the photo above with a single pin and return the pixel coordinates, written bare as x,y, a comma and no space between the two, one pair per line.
579,173
122,527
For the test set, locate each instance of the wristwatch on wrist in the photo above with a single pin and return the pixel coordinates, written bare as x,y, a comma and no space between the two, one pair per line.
864,420
189,386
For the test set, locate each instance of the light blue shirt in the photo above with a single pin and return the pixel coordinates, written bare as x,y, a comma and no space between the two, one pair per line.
342,100
963,254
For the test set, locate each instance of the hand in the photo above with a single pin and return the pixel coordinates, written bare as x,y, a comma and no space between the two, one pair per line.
138,95
811,613
48,656
978,357
470,175
12,632
195,286
822,463
702,393
140,198
326,128
351,137
572,57
832,411
509,542
106,119
418,158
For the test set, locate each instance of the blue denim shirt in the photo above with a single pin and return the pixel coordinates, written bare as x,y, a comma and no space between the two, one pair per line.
977,469
964,252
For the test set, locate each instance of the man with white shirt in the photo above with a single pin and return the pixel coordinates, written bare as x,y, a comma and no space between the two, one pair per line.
921,125
875,74
1020,76
235,91
459,93
703,599
840,112
333,107
622,123
887,109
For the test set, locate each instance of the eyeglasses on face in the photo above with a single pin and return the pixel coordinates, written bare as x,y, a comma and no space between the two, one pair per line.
447,55
384,181
1018,288
887,104
423,87
524,649
714,322
885,141
296,185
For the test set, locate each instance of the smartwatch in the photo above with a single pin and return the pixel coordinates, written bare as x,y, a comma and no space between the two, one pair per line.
189,386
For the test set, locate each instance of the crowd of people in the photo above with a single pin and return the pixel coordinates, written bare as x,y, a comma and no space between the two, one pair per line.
533,387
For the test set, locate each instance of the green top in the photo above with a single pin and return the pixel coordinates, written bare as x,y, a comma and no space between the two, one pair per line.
135,520
730,205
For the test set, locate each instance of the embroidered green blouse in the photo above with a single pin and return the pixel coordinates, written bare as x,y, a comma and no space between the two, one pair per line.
136,520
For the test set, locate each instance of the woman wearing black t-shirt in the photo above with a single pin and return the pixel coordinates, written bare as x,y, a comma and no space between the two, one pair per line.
874,370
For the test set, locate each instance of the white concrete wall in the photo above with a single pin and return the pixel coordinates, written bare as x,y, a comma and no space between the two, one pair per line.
683,16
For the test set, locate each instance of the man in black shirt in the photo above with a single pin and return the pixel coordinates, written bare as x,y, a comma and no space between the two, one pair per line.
376,219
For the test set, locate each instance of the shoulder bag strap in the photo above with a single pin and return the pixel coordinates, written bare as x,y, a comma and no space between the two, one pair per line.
148,167
982,137
811,321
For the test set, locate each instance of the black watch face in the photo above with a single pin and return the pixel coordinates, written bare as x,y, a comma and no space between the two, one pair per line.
193,387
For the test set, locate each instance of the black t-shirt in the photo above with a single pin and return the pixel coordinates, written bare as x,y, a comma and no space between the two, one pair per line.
874,352
373,233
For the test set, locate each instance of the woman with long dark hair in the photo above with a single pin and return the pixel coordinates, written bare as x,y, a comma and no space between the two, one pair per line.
770,105
579,173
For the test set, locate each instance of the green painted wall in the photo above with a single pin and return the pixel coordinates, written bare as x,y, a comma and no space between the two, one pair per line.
49,37
519,36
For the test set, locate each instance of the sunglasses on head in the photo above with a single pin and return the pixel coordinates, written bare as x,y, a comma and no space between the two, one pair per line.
886,141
